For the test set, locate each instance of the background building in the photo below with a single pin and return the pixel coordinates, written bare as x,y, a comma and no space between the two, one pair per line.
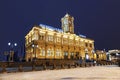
46,42
114,54
101,55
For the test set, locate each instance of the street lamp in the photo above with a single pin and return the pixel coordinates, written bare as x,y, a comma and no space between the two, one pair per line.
34,50
93,52
11,45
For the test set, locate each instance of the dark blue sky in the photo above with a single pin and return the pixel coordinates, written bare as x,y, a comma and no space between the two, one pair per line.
97,19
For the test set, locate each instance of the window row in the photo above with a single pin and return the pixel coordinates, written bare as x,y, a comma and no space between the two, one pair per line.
50,52
51,38
88,45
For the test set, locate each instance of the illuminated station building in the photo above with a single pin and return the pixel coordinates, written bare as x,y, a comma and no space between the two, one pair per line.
46,42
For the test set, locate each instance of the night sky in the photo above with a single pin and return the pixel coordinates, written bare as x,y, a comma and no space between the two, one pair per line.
96,19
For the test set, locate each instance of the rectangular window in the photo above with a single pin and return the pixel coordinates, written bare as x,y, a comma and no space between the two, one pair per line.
29,39
35,35
86,44
41,36
65,53
42,52
50,38
48,52
91,45
58,39
65,40
58,53
71,41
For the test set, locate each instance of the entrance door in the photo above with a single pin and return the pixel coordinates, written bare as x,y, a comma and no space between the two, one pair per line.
77,55
65,55
86,56
71,55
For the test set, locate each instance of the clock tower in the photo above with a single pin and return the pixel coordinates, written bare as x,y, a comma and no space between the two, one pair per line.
67,23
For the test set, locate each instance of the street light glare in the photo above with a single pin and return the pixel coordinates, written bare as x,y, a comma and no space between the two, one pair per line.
15,44
33,45
87,56
9,44
37,46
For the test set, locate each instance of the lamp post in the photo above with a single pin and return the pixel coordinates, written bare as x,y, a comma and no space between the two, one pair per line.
11,45
93,52
94,57
86,54
34,50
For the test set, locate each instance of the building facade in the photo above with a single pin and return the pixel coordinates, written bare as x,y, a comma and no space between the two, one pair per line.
46,42
101,55
114,55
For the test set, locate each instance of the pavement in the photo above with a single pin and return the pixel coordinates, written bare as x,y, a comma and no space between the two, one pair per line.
110,72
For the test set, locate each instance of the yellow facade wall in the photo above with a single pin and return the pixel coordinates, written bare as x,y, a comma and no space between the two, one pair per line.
49,44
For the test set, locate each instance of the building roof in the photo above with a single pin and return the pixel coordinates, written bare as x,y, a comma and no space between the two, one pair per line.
67,15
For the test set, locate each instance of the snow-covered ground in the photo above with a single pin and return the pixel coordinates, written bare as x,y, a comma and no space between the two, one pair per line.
88,73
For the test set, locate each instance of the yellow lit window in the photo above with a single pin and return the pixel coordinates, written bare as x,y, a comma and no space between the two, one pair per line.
50,38
50,52
58,52
58,39
71,41
41,36
35,36
65,40
42,52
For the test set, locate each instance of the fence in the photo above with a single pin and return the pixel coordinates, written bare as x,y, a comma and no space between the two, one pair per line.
46,64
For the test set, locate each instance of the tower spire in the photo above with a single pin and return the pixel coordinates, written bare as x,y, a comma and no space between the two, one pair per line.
67,23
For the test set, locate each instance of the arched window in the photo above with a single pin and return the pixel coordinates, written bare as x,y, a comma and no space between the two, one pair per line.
42,52
57,52
48,52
